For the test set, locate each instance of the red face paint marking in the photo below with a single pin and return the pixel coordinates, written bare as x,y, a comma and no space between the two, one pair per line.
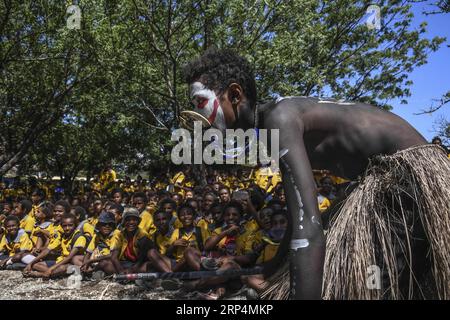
202,102
212,117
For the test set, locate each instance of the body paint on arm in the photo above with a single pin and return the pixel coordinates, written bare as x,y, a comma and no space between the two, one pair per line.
301,213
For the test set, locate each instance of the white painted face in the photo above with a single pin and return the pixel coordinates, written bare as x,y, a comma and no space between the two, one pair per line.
207,104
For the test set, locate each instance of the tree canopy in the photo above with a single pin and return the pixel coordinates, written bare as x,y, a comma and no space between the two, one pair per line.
71,99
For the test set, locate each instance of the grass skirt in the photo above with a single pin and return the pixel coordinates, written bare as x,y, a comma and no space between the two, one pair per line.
391,236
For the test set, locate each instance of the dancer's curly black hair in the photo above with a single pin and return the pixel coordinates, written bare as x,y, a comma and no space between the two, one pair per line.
217,69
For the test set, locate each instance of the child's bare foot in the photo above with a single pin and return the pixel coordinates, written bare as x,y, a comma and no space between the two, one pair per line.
26,273
220,292
32,274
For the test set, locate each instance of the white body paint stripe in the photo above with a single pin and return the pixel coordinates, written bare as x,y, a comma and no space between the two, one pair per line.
337,102
299,244
297,194
325,100
283,152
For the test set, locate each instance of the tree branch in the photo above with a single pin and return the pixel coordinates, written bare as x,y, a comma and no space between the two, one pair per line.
441,102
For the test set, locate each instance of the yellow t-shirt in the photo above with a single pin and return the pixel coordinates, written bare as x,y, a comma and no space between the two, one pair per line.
9,192
202,223
323,202
226,181
162,241
102,245
21,192
106,178
175,222
96,186
21,242
47,226
263,175
181,180
189,236
251,225
66,244
34,209
88,226
120,243
160,186
269,251
56,230
276,179
128,188
27,223
178,178
93,220
147,223
151,208
241,244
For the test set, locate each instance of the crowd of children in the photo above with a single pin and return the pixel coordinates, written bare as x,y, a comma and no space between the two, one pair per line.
236,220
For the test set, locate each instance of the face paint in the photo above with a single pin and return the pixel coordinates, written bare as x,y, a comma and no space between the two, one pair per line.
207,104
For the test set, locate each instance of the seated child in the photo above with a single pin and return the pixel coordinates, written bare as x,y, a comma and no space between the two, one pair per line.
37,199
178,198
249,216
162,241
61,208
271,240
107,205
87,227
188,236
164,231
264,225
23,211
7,208
130,248
72,245
79,212
231,240
214,216
230,246
117,196
117,211
208,199
170,206
140,203
224,195
43,229
152,205
200,219
189,193
15,245
98,249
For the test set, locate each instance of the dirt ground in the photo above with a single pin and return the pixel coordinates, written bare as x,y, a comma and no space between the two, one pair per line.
15,287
